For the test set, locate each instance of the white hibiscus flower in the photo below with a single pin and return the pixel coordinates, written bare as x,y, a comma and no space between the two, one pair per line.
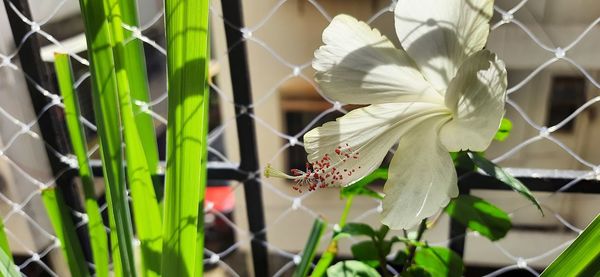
439,92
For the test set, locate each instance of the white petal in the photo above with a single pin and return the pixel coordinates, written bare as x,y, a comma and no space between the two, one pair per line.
476,97
357,142
358,65
440,34
421,178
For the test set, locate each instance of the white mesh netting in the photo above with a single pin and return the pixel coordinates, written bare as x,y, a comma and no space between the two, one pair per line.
281,36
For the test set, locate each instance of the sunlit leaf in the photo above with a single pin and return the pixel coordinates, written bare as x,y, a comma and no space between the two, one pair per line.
504,130
497,172
60,217
581,258
96,229
479,215
439,261
7,267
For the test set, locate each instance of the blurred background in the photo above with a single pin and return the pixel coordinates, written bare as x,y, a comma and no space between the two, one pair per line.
549,46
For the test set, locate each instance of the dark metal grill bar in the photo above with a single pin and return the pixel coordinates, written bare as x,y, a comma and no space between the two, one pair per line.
242,94
51,121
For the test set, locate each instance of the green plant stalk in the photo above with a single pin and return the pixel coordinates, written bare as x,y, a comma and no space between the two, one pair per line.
582,257
310,249
145,205
332,249
135,65
187,58
7,266
60,217
379,240
105,101
413,248
97,233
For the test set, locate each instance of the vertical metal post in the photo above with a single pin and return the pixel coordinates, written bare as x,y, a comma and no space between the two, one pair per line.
51,123
242,94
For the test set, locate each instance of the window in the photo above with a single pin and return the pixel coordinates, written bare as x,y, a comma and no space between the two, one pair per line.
567,95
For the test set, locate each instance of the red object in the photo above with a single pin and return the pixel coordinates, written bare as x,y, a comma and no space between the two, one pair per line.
221,197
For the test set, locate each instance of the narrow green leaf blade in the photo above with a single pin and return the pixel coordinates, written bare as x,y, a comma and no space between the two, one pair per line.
310,248
97,233
7,267
187,68
497,172
4,240
135,65
581,258
352,268
104,96
439,261
60,217
480,215
146,211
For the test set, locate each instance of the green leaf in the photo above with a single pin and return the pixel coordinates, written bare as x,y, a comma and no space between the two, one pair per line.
147,215
60,217
351,268
462,160
310,249
135,65
479,215
439,261
97,233
400,258
360,186
104,96
497,172
185,180
356,229
415,271
382,232
581,258
7,267
368,252
503,130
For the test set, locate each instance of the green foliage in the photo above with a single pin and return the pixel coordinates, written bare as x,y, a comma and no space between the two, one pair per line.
371,252
415,271
504,130
356,229
310,248
104,98
146,211
479,215
7,267
499,173
581,258
135,65
60,217
351,268
360,186
187,128
97,233
439,261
